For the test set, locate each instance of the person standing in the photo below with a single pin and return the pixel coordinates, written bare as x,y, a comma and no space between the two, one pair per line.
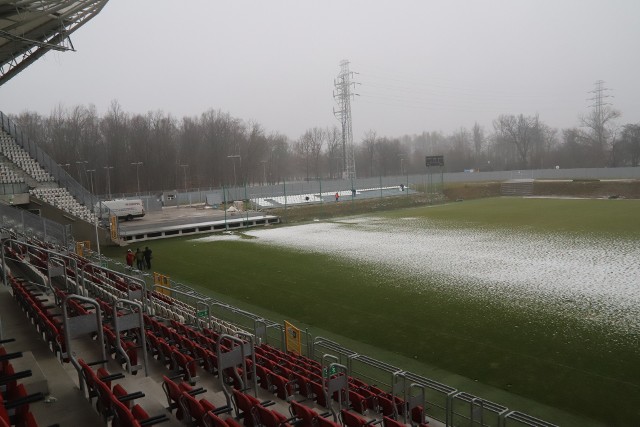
337,196
140,259
130,257
147,256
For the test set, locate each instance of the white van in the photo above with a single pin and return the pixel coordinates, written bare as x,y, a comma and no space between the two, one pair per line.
122,208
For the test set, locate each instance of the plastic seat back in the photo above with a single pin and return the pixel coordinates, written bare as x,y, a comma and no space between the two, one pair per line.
351,420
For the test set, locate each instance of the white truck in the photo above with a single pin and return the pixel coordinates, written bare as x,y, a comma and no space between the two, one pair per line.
126,209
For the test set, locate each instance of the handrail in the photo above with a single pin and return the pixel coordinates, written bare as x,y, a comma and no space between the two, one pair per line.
75,323
231,358
128,322
47,251
140,282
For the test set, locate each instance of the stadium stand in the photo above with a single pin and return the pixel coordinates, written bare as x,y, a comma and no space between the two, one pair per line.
129,348
62,199
8,175
22,159
21,167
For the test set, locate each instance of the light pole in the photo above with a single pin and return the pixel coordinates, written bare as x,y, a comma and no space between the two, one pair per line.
137,165
90,172
81,165
235,156
264,172
108,168
184,169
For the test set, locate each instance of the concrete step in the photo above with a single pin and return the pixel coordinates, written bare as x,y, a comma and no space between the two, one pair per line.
517,187
37,382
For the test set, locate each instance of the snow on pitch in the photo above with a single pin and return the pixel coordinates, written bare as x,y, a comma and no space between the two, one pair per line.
594,277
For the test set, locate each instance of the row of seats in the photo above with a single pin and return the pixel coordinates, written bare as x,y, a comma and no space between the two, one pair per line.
22,159
8,175
306,374
114,402
199,412
14,399
281,378
58,197
42,313
276,371
62,199
184,349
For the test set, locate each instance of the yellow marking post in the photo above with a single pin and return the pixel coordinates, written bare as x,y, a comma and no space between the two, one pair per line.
293,338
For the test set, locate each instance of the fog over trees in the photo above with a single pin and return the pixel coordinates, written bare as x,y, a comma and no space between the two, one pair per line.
216,149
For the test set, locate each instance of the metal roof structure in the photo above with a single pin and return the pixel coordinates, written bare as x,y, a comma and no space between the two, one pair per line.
31,28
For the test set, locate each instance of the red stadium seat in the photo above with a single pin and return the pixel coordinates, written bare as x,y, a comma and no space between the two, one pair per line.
389,422
352,420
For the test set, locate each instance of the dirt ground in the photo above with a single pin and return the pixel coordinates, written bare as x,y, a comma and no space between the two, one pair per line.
629,189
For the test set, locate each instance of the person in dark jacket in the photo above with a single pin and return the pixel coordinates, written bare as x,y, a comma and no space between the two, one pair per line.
147,256
139,259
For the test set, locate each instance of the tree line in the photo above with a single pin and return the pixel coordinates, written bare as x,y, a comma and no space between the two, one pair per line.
157,151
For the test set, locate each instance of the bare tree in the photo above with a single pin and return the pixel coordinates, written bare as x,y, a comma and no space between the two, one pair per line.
600,132
545,139
478,142
369,143
389,151
254,149
631,142
459,156
303,150
165,152
316,137
279,158
334,139
519,131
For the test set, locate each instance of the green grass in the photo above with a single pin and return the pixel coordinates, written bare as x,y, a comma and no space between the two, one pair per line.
550,358
617,218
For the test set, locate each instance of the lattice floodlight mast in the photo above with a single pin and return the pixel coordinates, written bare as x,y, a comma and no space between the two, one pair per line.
343,94
31,28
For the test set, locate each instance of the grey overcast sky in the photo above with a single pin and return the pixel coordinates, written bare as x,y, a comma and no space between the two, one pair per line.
423,65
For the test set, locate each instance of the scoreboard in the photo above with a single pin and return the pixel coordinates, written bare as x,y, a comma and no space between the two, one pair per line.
434,161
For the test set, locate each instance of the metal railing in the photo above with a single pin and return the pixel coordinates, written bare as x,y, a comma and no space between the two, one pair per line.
30,225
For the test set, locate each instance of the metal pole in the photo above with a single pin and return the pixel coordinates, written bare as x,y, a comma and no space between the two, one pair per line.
234,157
90,172
284,188
224,197
184,170
108,168
98,240
137,165
407,186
